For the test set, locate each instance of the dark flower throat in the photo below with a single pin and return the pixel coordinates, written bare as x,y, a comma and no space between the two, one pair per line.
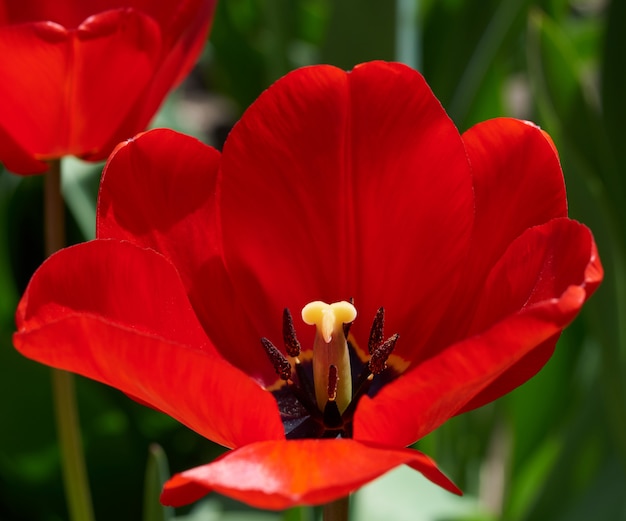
300,414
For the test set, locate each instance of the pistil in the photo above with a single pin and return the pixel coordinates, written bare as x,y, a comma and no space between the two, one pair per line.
330,348
319,397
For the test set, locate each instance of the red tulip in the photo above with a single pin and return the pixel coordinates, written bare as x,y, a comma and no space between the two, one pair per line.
76,78
332,186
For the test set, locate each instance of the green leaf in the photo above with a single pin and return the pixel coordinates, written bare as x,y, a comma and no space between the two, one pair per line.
80,184
499,28
613,76
566,104
8,289
298,514
359,31
157,473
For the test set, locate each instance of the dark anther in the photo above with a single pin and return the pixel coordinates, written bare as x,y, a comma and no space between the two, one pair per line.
333,381
346,327
279,361
302,415
292,346
376,333
378,360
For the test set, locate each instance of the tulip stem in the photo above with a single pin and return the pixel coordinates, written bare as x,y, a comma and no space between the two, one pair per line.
338,510
75,480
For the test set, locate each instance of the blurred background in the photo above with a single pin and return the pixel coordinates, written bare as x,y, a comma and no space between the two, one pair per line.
555,449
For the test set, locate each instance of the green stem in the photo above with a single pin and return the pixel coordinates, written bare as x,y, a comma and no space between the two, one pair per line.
75,480
338,510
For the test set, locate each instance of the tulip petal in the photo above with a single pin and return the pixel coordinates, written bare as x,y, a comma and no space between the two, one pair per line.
518,184
540,265
119,314
541,269
185,26
555,267
60,91
68,13
16,159
330,174
158,191
280,474
116,280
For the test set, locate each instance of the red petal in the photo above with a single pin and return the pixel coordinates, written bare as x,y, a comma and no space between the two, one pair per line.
281,474
518,184
540,265
158,191
543,263
16,159
555,268
66,92
185,26
68,13
119,314
330,174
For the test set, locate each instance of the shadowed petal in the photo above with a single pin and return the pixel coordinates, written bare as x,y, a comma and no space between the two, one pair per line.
16,159
184,28
158,191
518,184
60,91
68,13
542,266
327,178
280,474
553,267
118,314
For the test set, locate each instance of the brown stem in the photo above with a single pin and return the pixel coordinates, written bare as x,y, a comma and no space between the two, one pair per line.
338,510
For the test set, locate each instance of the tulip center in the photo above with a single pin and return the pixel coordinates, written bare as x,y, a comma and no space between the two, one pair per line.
318,397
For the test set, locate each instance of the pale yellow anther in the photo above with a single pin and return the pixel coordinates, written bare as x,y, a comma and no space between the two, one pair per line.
330,348
328,318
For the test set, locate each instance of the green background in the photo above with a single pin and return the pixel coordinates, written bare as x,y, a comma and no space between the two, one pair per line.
554,449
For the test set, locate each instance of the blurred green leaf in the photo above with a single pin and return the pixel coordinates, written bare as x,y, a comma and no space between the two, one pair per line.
234,41
490,42
298,514
157,473
613,79
571,472
470,49
359,31
8,290
80,184
567,105
530,477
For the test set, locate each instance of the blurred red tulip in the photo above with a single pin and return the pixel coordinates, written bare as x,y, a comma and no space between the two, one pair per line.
76,78
333,185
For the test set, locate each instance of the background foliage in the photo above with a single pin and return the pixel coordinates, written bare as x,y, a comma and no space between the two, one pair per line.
555,449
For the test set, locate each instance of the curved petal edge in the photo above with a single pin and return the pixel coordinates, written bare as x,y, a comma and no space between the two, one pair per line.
281,474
